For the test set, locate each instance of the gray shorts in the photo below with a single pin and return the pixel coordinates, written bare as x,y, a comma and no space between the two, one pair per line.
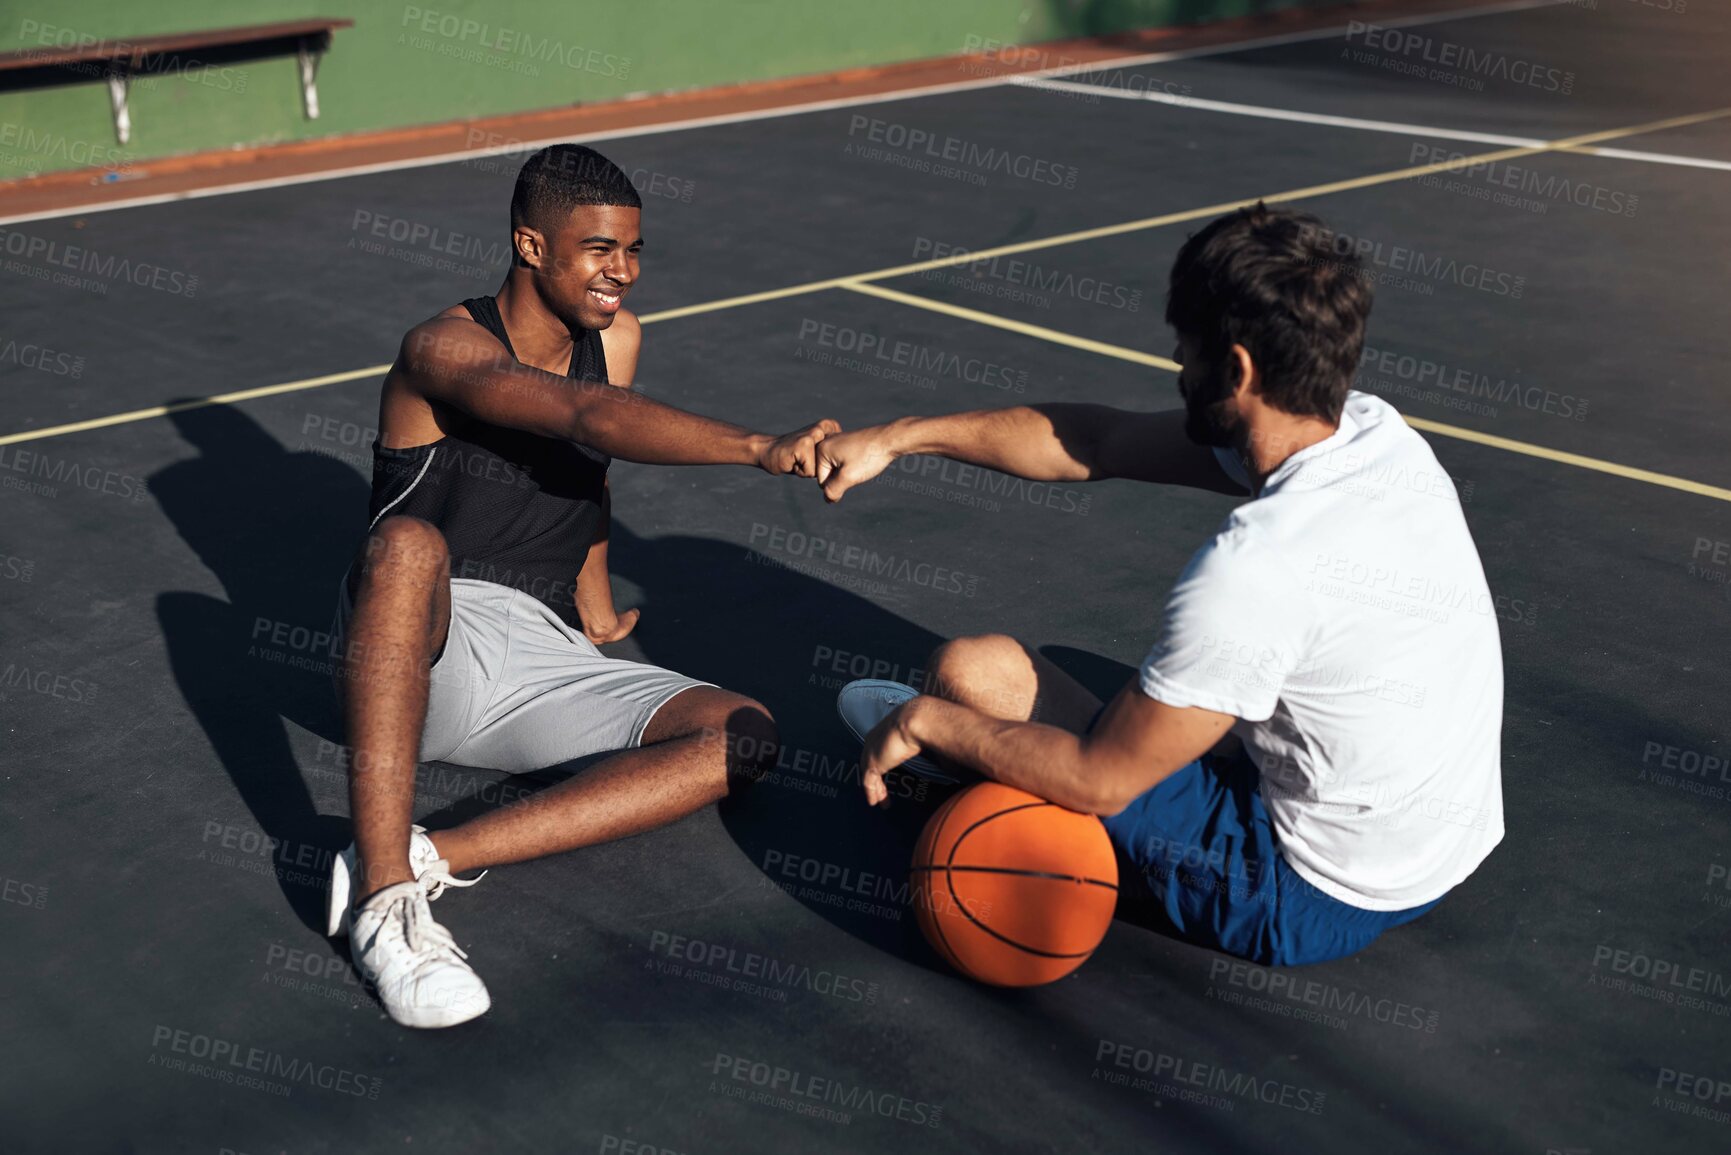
517,689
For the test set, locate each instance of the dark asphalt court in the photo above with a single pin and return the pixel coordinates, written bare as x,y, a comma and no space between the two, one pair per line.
171,577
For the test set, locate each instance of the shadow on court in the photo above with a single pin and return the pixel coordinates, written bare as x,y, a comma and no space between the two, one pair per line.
276,528
721,612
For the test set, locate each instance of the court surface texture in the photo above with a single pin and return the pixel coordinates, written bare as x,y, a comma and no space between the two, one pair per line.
1538,189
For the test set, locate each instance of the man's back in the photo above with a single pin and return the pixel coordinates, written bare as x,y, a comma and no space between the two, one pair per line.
1368,669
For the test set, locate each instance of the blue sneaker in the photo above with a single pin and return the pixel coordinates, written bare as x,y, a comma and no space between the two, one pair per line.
865,703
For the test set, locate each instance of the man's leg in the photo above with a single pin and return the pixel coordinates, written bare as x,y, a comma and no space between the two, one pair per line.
998,675
401,613
703,744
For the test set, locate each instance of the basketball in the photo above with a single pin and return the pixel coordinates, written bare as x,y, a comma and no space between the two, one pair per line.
1011,889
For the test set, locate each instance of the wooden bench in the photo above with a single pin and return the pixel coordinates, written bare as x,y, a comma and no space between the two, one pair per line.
118,61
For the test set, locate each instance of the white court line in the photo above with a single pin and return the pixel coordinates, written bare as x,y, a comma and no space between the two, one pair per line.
525,146
1655,157
1263,113
1392,126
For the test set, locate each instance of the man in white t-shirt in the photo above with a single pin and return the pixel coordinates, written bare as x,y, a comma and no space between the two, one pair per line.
1310,753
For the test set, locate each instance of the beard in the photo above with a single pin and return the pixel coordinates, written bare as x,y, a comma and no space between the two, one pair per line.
1210,418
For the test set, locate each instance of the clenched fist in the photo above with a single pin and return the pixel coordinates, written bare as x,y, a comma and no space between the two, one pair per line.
850,459
796,452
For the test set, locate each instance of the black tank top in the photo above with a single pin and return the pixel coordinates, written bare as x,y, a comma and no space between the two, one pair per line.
516,509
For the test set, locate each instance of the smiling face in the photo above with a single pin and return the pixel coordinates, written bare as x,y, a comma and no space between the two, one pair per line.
584,268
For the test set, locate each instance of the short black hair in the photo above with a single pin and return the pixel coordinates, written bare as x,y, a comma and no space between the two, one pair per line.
1280,283
562,176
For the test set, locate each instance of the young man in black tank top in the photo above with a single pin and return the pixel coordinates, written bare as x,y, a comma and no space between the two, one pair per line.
474,608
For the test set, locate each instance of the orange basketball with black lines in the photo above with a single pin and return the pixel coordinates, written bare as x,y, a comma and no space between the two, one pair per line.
1011,889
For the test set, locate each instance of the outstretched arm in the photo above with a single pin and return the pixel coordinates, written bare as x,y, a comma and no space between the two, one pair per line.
456,362
1053,442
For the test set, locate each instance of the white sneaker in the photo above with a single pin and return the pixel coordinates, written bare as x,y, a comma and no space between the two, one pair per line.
431,871
865,703
413,962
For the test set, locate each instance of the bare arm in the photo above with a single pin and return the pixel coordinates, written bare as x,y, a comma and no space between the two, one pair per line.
458,363
1136,744
602,622
1052,442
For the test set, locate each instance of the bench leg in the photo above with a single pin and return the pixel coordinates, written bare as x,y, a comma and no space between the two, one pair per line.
119,82
309,63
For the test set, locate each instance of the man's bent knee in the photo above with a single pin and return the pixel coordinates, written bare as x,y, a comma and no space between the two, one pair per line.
406,545
991,672
739,731
747,740
753,743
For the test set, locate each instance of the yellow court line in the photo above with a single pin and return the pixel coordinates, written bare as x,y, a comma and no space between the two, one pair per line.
1596,464
961,258
242,395
997,322
1136,355
1308,191
193,403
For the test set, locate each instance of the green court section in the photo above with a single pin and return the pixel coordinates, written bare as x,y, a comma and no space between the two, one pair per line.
443,60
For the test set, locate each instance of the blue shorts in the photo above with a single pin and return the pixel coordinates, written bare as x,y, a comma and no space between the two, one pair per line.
1204,842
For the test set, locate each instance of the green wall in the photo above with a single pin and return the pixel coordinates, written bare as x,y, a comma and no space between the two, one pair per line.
442,60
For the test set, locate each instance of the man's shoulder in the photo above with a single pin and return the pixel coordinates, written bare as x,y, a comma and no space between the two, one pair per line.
1376,421
625,324
448,337
445,320
1250,546
623,336
1368,408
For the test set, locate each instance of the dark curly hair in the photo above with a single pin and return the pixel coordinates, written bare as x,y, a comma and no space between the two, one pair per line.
1280,283
562,176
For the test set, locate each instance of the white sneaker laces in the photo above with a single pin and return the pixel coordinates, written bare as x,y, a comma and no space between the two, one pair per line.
437,876
425,940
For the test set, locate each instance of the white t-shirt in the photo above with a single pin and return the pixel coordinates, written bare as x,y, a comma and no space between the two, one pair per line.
1342,616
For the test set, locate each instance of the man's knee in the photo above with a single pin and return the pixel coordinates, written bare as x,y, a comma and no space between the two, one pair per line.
753,743
990,671
405,546
741,734
960,659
